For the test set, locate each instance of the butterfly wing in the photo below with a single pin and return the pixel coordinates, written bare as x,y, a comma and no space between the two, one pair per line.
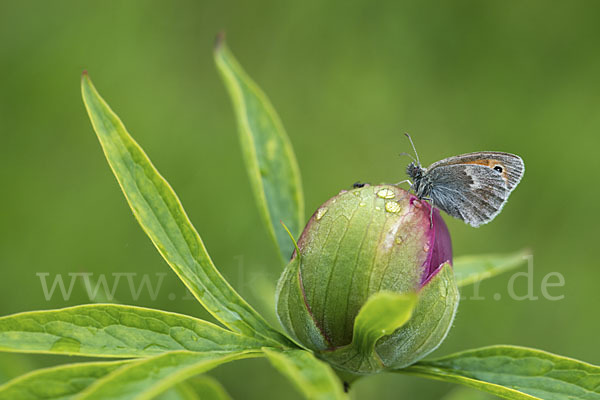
471,192
509,166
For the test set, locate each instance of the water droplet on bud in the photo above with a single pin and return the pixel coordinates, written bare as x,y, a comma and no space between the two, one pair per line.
386,193
320,212
392,206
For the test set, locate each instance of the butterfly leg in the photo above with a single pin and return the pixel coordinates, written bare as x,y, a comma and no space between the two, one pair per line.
431,215
430,210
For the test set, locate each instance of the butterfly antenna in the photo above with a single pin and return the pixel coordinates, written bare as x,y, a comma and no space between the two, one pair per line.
408,155
414,149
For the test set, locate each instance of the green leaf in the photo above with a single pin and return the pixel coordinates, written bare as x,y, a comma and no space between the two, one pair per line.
268,153
146,378
314,378
112,330
381,315
62,382
161,215
475,268
516,373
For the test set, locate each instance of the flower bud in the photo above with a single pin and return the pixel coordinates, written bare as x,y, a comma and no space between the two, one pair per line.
360,242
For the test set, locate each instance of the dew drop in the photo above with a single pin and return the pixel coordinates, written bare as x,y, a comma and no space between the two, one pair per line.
362,204
426,248
378,208
320,212
392,206
386,193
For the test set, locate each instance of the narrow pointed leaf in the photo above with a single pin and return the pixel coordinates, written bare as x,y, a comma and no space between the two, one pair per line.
268,153
314,378
516,373
57,383
110,330
161,215
147,378
475,268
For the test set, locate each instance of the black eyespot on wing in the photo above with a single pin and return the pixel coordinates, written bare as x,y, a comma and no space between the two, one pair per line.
498,168
470,192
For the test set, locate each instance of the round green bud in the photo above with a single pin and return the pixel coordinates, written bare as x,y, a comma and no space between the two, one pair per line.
358,243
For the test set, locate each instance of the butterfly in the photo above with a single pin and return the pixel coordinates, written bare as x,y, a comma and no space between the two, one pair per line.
472,187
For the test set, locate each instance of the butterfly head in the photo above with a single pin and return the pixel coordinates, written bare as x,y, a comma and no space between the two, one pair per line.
415,171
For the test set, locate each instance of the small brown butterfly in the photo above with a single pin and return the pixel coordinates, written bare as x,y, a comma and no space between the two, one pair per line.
472,187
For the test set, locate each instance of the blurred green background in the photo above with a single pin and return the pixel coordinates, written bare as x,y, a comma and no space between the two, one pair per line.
347,78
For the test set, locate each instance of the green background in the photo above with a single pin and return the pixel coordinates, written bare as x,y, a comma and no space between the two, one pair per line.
347,78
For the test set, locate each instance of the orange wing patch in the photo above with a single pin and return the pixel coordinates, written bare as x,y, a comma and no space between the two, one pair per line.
491,163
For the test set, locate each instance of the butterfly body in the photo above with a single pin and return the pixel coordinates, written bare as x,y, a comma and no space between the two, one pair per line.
472,187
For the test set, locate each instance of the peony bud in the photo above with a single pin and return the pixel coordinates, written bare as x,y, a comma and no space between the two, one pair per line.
360,242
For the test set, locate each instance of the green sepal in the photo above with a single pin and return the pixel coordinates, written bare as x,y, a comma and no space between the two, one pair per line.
293,312
381,315
439,298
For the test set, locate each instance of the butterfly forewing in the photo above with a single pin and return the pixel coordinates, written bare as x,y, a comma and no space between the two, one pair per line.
509,166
